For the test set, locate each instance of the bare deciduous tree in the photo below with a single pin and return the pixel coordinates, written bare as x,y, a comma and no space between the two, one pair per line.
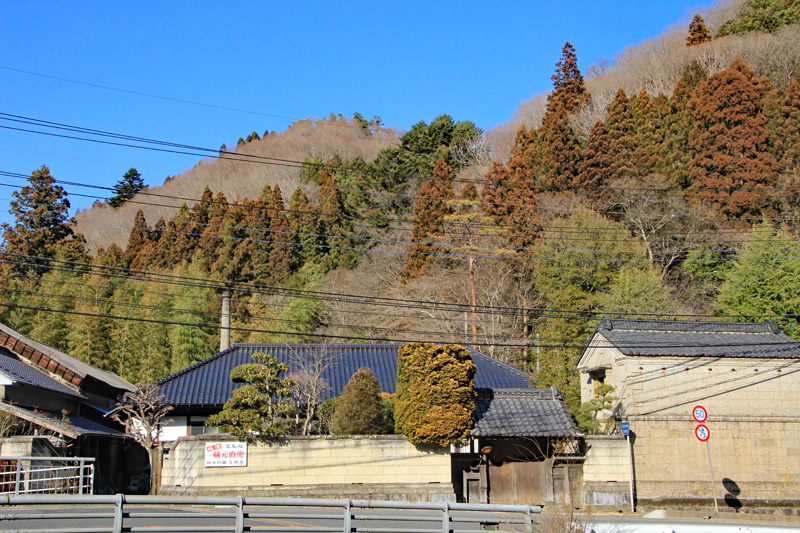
142,412
308,367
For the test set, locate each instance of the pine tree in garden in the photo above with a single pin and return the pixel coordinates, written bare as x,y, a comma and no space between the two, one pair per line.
621,130
732,168
698,33
430,208
598,167
569,91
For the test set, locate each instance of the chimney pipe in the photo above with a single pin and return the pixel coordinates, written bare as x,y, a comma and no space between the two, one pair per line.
225,322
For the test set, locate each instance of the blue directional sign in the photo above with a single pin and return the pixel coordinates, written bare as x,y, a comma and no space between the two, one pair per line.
626,428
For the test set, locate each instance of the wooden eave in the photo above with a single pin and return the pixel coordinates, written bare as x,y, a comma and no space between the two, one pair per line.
39,359
48,423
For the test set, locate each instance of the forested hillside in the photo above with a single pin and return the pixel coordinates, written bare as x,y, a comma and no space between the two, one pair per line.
665,185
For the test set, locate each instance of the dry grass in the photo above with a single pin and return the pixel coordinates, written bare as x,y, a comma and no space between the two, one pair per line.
324,139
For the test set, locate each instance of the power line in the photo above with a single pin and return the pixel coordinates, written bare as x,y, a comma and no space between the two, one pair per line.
258,288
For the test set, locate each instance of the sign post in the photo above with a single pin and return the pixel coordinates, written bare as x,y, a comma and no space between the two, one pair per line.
703,434
626,430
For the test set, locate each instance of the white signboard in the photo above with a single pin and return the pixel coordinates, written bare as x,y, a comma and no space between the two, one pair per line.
226,454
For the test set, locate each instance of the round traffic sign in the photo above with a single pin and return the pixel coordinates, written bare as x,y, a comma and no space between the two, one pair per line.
702,432
700,414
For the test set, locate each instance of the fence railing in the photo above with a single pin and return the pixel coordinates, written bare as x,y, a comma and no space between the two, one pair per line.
46,475
119,513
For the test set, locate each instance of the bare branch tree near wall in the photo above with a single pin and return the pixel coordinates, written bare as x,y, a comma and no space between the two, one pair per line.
142,412
309,365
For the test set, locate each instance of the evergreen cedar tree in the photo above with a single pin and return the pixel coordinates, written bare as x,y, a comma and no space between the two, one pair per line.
41,209
598,167
358,409
430,209
621,130
258,412
125,189
435,393
732,168
698,33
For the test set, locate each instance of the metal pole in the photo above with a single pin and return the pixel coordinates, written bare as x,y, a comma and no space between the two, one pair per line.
81,473
630,467
711,471
347,524
239,527
117,528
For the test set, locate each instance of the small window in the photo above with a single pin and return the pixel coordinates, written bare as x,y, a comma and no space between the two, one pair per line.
197,426
598,379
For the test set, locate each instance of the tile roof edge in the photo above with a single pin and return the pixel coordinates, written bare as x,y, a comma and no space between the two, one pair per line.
495,361
205,361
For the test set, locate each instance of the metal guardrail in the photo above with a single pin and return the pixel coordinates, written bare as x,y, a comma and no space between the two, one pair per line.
115,514
46,475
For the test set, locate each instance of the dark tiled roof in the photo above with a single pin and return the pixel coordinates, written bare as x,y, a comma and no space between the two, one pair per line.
207,382
20,372
79,367
522,413
699,339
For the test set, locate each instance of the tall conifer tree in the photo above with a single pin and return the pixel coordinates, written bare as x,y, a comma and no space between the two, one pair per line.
621,134
303,223
598,167
732,168
698,32
569,90
41,209
430,208
787,132
282,254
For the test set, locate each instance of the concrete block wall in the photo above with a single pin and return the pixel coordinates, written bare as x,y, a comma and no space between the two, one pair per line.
606,472
759,460
606,460
726,387
307,461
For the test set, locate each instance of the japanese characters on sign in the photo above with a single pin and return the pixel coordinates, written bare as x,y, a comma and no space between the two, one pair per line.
226,454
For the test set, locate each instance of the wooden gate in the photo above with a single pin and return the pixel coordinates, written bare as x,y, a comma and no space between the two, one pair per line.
524,482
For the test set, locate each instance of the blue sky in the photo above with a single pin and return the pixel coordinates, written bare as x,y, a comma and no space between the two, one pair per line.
279,61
